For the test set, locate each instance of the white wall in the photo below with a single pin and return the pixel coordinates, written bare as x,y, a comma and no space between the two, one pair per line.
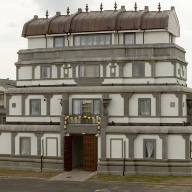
5,143
37,72
54,71
55,106
166,110
36,42
49,42
25,72
52,146
184,105
139,38
147,70
33,142
138,145
116,105
18,109
156,37
43,104
127,70
164,69
133,104
116,152
176,147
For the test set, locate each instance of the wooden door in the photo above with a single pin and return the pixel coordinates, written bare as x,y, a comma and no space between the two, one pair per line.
90,153
67,153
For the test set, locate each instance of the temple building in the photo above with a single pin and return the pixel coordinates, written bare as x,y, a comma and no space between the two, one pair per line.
105,90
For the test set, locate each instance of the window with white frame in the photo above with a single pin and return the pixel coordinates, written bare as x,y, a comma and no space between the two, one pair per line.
149,150
144,107
35,107
25,145
59,42
129,38
46,72
138,70
89,71
100,39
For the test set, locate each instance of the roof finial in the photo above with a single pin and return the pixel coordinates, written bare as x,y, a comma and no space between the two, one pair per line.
135,6
101,7
68,11
159,6
86,8
47,15
115,6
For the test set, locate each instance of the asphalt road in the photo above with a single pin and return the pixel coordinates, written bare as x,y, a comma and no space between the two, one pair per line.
29,185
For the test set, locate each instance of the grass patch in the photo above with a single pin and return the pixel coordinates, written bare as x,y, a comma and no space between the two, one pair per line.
144,179
14,173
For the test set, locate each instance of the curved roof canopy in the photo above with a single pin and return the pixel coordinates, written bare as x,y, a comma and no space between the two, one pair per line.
108,20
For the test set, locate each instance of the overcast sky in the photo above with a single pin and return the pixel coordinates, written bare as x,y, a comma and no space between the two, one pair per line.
15,13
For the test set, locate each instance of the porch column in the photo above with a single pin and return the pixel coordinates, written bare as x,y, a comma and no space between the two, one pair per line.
131,138
39,135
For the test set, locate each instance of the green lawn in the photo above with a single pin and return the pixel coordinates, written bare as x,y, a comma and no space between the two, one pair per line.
144,179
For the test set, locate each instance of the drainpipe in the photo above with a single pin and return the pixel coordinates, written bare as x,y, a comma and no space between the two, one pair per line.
124,161
143,36
42,155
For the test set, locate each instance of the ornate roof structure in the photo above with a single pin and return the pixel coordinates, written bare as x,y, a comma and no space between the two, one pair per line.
108,20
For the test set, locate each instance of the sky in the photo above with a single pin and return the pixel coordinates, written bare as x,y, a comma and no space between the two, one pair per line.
15,13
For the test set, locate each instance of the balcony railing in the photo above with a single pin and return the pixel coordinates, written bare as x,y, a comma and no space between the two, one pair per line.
82,120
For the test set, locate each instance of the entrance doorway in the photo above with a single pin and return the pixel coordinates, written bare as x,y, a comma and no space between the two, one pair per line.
80,151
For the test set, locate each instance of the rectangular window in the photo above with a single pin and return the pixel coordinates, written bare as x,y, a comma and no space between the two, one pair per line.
46,72
25,145
145,107
89,71
1,97
59,41
139,70
84,40
86,107
129,38
4,120
149,148
35,107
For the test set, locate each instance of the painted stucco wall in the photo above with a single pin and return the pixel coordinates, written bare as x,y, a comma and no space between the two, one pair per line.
138,145
147,70
36,42
134,100
54,71
184,105
55,106
156,37
164,69
37,72
25,72
173,23
116,105
5,143
166,109
49,42
15,99
33,142
176,147
117,151
139,38
127,70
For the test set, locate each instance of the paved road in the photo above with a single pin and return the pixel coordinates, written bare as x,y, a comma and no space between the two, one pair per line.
29,185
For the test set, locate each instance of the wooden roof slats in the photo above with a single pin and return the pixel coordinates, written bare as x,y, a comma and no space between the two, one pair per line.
96,21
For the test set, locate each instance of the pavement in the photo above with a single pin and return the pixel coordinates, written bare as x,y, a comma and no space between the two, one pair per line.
77,174
43,185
